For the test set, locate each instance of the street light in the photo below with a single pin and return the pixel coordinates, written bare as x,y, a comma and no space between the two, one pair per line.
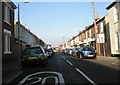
19,49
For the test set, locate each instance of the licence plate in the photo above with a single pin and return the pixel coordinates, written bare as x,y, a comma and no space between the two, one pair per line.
32,57
90,55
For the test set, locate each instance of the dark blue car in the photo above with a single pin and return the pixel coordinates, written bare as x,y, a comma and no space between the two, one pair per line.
86,52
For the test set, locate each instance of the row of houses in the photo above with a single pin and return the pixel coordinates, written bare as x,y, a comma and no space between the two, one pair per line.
105,37
27,37
9,39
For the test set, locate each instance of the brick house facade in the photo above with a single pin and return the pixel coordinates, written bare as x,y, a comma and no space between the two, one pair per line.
7,21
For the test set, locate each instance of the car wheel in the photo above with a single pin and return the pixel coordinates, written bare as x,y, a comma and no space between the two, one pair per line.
94,57
77,55
80,56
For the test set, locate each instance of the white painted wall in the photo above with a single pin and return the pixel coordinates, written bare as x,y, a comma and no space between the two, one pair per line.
119,26
113,30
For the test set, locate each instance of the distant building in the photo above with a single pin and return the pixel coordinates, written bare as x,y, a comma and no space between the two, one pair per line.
61,47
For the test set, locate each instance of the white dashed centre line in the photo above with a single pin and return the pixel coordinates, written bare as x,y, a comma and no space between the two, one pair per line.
63,57
69,62
91,81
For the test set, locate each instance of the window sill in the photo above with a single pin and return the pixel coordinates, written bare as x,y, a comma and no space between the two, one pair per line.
116,22
7,22
7,52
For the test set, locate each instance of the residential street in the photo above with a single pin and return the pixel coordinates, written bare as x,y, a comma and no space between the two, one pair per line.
66,70
59,42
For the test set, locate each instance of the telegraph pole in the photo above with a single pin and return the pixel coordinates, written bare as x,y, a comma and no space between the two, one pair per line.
94,13
95,26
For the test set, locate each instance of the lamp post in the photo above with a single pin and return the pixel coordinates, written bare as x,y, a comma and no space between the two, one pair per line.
19,47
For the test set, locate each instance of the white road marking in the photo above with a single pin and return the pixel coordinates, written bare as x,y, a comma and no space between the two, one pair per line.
38,80
63,57
29,77
91,81
56,80
69,62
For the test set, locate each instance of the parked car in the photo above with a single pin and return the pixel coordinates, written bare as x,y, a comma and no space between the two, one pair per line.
86,52
65,50
34,55
70,51
74,50
49,52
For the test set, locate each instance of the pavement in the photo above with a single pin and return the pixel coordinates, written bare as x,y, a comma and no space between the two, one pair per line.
111,62
10,71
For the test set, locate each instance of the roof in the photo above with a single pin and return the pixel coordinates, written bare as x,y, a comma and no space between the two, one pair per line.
10,3
13,5
111,5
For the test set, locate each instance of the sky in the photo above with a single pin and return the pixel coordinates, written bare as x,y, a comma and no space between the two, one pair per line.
57,22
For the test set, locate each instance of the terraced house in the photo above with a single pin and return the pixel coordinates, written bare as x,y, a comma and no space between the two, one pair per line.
106,37
27,38
114,25
7,36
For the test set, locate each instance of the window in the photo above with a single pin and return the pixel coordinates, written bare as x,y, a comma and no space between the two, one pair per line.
117,41
7,13
101,28
86,35
7,36
116,13
90,33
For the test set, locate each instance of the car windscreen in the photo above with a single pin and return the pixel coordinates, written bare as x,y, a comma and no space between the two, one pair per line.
88,49
31,51
81,48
